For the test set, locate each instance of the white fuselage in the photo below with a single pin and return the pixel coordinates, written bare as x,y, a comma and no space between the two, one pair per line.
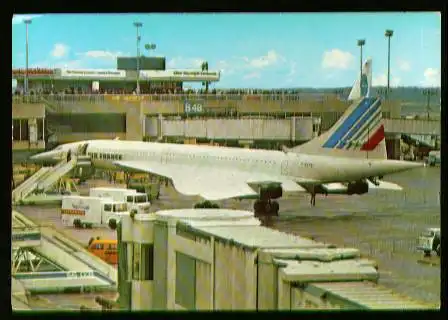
292,165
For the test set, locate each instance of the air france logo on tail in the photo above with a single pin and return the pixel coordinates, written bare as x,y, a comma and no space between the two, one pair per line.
362,129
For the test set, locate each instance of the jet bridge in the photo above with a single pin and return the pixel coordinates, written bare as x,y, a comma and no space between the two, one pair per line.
44,179
46,260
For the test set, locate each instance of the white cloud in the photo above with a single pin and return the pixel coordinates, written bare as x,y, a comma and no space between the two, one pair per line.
64,64
60,50
292,70
381,81
225,67
432,77
18,19
272,57
252,75
337,59
185,63
404,65
102,54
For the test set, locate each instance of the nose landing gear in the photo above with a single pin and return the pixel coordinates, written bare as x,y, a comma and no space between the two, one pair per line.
313,199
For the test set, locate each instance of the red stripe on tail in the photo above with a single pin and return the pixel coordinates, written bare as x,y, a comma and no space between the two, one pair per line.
374,140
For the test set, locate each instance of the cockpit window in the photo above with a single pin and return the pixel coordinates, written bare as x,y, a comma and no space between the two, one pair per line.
141,199
58,148
428,234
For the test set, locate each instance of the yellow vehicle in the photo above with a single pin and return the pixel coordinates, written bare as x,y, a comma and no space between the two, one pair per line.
104,249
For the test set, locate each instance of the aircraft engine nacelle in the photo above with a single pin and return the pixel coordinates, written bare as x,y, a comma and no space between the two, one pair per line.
357,187
271,192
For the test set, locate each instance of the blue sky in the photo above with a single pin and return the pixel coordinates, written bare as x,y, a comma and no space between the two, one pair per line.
251,50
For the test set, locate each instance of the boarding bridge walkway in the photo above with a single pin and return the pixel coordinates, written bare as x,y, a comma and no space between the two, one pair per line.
43,179
45,260
413,126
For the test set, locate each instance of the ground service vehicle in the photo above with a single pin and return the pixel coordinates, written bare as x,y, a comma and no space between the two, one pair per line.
429,241
434,158
151,189
87,212
135,200
104,249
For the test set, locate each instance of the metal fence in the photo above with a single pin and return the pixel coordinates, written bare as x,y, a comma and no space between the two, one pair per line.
67,98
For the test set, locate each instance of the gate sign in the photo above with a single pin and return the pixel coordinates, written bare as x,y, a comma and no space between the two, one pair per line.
193,107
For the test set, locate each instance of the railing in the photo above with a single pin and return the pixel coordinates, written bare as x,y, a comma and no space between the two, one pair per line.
28,185
25,229
96,98
55,174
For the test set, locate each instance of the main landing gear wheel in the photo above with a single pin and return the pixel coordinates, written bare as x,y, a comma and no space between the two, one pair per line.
206,205
112,224
265,210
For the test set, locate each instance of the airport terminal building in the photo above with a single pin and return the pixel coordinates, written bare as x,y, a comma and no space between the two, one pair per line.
153,78
67,105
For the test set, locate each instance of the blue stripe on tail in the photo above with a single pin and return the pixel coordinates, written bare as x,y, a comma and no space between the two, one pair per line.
349,122
360,123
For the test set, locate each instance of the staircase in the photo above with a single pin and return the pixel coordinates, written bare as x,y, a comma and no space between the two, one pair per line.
28,185
55,174
44,179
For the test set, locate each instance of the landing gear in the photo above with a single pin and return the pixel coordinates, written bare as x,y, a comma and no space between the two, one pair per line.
265,210
313,199
206,205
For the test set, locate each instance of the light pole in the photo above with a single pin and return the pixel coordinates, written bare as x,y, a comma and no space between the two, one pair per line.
150,46
360,44
138,25
389,33
204,67
27,22
428,93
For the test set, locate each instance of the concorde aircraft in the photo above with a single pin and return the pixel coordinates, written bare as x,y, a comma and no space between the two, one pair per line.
349,159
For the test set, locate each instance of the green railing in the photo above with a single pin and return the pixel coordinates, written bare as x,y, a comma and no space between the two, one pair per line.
96,98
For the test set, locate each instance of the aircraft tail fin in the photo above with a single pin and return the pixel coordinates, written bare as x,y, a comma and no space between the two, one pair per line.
363,85
359,133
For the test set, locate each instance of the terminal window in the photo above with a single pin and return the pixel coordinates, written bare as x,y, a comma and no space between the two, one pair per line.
143,265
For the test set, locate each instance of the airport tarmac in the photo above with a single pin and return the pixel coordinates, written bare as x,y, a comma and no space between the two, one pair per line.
383,225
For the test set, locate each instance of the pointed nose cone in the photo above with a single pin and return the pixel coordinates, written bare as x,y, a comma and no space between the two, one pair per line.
44,157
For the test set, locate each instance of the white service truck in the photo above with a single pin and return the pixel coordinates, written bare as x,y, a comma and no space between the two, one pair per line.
135,200
86,212
430,241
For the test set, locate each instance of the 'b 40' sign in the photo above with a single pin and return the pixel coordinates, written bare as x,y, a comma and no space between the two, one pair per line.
193,107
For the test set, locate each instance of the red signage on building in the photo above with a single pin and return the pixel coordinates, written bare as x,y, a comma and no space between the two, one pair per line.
33,72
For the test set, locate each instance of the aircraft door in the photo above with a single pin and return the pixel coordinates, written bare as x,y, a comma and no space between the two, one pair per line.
82,149
285,168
